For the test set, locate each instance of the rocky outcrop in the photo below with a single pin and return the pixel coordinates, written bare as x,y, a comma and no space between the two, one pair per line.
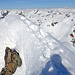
12,61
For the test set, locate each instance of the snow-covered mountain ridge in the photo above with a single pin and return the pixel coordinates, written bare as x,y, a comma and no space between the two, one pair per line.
43,52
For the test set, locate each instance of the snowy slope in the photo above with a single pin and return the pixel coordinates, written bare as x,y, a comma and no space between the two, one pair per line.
41,52
62,31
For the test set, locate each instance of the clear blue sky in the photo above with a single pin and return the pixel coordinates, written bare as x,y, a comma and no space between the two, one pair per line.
26,4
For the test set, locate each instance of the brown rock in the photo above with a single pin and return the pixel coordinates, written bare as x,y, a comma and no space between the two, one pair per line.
12,61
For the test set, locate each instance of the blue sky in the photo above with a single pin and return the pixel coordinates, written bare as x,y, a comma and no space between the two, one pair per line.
27,4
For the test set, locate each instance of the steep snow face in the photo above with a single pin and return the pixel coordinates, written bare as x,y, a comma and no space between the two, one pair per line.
62,31
41,53
19,33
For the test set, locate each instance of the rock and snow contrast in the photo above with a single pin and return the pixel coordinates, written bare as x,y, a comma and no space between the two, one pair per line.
42,38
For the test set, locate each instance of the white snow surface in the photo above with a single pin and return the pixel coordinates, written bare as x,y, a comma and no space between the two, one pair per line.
44,50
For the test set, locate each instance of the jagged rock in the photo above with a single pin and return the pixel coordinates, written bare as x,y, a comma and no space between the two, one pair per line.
21,13
12,61
5,72
67,15
74,30
71,35
54,23
73,41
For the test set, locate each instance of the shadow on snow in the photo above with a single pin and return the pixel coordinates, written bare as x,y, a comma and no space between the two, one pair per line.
55,67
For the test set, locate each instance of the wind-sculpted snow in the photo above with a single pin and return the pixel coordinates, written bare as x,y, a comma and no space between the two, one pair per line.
37,48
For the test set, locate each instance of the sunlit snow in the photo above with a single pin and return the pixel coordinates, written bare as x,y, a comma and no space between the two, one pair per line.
44,49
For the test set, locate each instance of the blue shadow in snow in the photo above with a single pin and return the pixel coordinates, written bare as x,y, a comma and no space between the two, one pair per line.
55,67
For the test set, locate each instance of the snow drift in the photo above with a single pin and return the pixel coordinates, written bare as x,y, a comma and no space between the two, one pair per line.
41,53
